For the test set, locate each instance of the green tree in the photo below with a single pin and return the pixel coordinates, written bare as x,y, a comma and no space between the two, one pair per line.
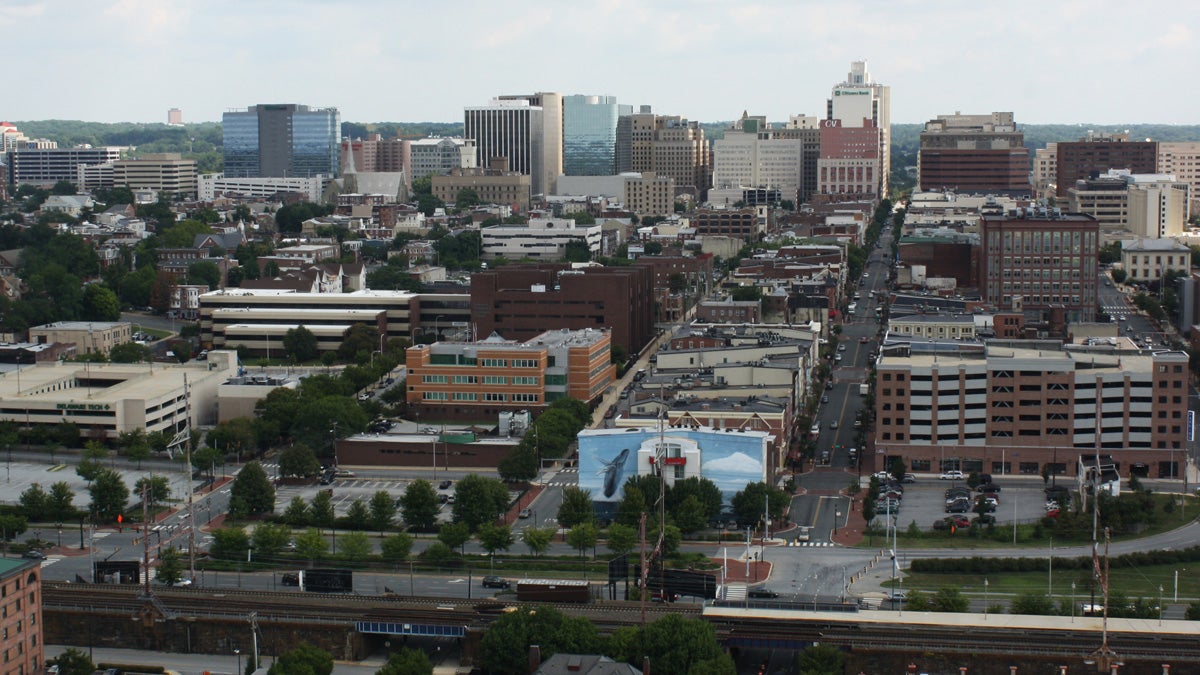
672,537
321,510
155,488
35,501
254,488
300,461
300,344
396,547
59,505
706,493
674,645
632,506
577,251
576,507
354,546
238,435
269,540
73,662
137,446
303,660
748,504
454,535
311,546
438,553
466,198
229,543
109,495
204,272
130,352
296,513
1032,602
357,515
419,506
689,517
383,511
505,646
407,662
12,526
495,538
479,500
820,659
519,464
170,566
621,538
582,537
537,539
100,304
948,599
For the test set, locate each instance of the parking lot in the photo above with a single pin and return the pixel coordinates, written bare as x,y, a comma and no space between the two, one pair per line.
345,490
19,476
924,501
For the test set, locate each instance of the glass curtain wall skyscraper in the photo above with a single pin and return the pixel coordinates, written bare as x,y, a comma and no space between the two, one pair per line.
281,140
590,134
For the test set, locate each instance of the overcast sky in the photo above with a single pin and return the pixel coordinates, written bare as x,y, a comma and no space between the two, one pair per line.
1048,61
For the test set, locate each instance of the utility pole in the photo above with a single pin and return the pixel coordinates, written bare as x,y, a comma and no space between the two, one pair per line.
145,540
187,467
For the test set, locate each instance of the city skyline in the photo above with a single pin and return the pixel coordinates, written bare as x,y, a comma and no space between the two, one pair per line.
1095,63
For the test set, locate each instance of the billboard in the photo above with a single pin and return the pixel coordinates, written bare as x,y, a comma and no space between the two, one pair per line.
729,458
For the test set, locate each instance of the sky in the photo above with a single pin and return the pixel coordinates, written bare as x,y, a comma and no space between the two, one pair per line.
1055,61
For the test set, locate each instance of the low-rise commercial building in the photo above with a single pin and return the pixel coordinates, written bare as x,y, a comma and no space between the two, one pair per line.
167,173
539,239
88,336
1148,260
479,380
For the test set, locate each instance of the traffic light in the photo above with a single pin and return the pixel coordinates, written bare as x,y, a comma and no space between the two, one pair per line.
120,519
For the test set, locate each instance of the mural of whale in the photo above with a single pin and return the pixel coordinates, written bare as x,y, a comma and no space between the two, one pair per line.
613,471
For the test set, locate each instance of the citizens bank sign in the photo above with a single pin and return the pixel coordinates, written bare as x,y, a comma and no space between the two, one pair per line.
851,92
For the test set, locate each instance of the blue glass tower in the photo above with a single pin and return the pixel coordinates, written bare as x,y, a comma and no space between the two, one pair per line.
590,134
281,140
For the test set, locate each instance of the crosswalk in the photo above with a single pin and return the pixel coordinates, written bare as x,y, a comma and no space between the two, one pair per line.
812,544
564,477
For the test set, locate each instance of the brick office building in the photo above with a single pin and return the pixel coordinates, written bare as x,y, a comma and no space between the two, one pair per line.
974,154
1036,260
1096,154
21,619
521,301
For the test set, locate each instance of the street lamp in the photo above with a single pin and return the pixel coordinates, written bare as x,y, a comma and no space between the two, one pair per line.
985,598
238,654
1176,594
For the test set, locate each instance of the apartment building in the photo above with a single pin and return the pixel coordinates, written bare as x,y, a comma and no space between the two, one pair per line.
1045,170
479,380
1005,409
1038,259
437,156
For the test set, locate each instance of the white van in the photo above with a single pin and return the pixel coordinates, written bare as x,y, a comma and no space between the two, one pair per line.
852,308
816,428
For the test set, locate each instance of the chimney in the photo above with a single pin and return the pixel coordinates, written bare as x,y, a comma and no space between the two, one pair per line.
646,665
535,658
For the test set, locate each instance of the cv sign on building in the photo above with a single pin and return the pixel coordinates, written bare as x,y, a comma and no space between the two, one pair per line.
729,458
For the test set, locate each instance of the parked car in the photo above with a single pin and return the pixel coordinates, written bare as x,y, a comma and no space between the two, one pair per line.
825,398
829,385
959,506
761,593
909,478
525,513
833,424
841,348
495,582
985,519
881,475
33,555
988,488
957,521
954,474
958,493
665,596
445,485
289,579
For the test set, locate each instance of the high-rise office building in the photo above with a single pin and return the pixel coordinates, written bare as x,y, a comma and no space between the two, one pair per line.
859,98
175,117
754,154
974,154
849,164
669,146
590,134
511,130
281,140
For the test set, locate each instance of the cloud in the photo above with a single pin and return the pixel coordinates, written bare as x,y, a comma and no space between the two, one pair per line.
11,15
